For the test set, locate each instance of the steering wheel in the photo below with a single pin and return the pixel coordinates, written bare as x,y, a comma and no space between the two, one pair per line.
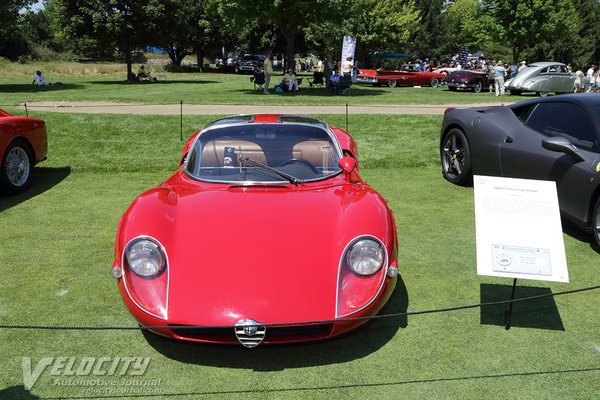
301,161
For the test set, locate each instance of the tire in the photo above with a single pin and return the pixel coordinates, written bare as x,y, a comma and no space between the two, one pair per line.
516,92
455,155
478,87
16,167
392,83
435,82
596,221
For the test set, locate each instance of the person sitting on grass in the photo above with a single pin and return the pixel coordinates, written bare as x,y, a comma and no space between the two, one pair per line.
38,79
142,74
289,79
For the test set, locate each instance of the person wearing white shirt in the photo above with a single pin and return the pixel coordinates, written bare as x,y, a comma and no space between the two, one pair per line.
38,79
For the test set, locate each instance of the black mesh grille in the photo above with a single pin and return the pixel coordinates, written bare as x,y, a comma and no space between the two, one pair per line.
272,332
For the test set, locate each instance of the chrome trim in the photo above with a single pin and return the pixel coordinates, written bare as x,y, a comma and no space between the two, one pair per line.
124,263
249,332
341,265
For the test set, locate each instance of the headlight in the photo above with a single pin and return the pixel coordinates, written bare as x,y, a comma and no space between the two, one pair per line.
365,257
145,257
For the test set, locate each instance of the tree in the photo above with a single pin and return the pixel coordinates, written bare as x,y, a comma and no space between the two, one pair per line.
468,24
536,29
382,25
11,44
425,39
125,25
586,44
289,17
9,14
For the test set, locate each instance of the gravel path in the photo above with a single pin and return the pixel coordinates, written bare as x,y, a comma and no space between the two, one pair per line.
230,109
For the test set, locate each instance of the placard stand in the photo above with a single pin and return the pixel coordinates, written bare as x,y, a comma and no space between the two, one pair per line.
508,313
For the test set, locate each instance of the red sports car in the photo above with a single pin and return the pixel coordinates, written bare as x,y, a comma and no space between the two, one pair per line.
265,233
394,78
23,143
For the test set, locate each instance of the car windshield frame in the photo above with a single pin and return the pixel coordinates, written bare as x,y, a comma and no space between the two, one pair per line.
251,144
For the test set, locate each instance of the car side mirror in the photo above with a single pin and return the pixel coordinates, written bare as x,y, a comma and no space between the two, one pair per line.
562,145
348,165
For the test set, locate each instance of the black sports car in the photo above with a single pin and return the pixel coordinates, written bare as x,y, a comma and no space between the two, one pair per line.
553,138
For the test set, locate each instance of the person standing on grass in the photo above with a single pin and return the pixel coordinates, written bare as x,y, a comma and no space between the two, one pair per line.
500,71
348,66
578,84
268,71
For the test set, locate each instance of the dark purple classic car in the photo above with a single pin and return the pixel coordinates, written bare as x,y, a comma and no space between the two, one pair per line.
467,79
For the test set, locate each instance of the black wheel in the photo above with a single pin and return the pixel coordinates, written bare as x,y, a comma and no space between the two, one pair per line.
15,170
478,87
435,82
392,83
596,221
301,161
452,88
455,155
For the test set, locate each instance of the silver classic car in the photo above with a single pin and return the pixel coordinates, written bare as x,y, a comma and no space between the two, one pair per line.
543,78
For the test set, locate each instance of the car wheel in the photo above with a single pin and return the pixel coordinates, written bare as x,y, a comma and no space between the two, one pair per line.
435,82
515,92
392,83
455,155
15,170
478,87
596,221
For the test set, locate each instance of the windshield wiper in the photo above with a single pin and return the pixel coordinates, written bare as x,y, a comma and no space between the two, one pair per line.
292,179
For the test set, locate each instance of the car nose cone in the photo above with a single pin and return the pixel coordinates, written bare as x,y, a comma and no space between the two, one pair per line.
249,332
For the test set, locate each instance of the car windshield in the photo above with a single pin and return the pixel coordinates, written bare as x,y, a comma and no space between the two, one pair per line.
263,153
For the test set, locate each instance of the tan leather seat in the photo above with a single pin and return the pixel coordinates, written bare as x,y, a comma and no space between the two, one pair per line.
213,152
318,152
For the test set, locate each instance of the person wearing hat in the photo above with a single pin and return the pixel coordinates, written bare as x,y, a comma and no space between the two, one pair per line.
523,65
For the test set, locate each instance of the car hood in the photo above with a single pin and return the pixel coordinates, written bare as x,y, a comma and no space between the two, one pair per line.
266,253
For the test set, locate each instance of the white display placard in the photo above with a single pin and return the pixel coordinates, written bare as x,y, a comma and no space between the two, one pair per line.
518,229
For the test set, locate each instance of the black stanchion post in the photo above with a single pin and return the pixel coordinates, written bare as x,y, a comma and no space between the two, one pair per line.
346,117
26,111
181,120
508,313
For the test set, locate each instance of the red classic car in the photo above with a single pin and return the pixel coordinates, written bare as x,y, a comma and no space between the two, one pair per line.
266,232
23,143
394,78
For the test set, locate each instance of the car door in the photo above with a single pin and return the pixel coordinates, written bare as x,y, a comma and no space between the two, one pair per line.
562,80
522,155
406,78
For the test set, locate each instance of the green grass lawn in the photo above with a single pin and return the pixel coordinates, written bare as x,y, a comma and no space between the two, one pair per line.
215,88
56,244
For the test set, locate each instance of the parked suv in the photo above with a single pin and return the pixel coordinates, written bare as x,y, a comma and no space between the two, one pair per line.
249,62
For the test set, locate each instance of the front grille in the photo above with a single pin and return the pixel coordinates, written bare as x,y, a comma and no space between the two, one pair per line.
273,333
